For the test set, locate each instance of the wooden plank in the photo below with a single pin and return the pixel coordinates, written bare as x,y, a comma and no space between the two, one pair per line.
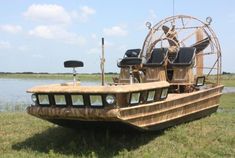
199,58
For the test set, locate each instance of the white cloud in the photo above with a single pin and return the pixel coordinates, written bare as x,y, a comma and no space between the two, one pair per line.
11,28
115,31
84,13
5,45
48,13
57,33
53,13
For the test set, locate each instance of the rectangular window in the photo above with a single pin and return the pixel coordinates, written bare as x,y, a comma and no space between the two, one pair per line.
77,100
164,93
135,98
43,99
96,100
151,95
60,99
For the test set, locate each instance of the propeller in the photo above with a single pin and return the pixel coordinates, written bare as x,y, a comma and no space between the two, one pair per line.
201,45
171,34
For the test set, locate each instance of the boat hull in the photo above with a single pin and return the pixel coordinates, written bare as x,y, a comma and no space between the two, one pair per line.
176,109
122,126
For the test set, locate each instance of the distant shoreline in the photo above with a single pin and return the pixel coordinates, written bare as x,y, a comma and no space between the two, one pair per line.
55,73
227,79
58,76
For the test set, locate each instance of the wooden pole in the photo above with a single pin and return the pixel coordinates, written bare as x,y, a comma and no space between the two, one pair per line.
199,56
102,64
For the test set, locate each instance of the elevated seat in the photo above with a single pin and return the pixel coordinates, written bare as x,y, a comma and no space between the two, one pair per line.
132,53
73,64
155,66
182,68
130,62
157,58
126,64
185,57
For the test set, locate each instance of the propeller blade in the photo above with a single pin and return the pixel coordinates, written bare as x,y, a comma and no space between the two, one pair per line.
201,45
170,33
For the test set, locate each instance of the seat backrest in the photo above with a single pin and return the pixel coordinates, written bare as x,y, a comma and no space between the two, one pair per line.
130,61
132,53
158,56
185,56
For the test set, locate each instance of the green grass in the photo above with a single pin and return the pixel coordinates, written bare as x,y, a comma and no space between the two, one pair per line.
227,80
82,77
24,136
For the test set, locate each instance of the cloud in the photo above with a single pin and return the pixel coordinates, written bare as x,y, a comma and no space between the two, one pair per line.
57,33
11,28
5,45
53,13
115,31
48,13
83,14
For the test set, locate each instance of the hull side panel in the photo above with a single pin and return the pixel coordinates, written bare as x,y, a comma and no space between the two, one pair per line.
183,119
176,109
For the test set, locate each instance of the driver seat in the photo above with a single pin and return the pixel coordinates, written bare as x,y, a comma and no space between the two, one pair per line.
155,66
129,59
182,65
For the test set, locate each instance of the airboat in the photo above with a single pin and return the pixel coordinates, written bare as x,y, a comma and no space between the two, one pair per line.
173,78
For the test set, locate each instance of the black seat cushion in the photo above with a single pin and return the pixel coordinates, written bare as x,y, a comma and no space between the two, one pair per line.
184,57
132,53
130,61
73,63
157,58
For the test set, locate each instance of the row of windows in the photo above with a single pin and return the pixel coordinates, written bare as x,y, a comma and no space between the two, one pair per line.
97,100
151,96
77,100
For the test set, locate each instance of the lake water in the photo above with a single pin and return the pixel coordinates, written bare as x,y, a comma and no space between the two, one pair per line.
13,96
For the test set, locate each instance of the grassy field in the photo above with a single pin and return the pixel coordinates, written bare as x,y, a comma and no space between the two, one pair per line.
82,77
24,136
228,80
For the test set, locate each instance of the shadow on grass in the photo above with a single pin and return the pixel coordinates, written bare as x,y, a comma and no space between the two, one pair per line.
85,142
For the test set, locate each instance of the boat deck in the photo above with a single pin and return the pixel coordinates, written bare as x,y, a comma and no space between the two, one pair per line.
61,88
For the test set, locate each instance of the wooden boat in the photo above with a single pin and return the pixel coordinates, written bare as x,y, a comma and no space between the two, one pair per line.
167,82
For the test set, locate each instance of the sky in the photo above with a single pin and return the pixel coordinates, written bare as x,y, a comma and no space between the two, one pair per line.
39,35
